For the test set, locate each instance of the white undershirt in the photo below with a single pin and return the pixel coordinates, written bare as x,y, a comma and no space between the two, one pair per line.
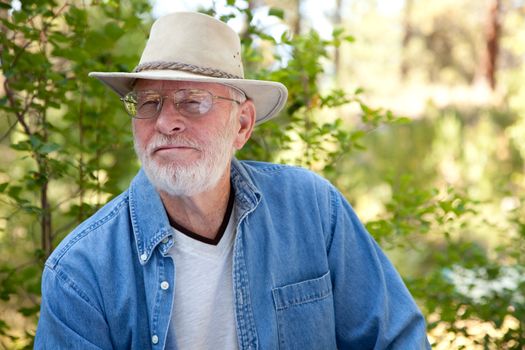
203,315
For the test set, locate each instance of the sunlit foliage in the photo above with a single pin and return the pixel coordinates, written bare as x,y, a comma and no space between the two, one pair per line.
442,191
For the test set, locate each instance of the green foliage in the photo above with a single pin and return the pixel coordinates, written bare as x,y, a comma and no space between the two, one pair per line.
300,136
459,285
415,211
64,133
67,132
67,149
462,258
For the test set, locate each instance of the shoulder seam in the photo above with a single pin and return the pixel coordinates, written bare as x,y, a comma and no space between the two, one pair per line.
64,278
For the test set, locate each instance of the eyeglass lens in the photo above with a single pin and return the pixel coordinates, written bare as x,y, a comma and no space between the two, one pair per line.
148,104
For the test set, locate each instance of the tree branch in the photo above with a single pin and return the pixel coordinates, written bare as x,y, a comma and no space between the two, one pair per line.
11,127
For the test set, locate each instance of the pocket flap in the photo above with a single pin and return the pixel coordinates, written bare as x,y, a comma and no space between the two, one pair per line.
302,292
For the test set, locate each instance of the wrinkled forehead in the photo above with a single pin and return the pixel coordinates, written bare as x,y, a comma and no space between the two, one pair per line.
147,84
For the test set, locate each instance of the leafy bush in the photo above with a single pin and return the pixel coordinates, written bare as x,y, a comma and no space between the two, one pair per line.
67,149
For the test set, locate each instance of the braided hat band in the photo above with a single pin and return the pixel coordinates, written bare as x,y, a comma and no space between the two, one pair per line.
190,68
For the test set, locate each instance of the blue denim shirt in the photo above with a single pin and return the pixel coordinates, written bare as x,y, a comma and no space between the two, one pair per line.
306,274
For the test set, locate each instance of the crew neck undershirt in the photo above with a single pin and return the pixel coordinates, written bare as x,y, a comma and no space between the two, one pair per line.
203,315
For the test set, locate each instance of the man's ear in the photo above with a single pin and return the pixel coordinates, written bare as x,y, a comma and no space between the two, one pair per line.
246,124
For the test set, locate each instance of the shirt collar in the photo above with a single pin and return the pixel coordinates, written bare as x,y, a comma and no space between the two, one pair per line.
149,218
247,195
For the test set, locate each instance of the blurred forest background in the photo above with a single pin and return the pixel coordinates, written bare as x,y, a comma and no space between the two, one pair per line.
414,109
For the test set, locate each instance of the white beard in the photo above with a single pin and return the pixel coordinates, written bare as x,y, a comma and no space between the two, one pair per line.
188,180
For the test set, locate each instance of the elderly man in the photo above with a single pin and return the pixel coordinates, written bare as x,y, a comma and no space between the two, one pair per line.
207,252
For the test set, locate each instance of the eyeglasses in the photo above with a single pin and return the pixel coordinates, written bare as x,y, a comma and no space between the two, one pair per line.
188,102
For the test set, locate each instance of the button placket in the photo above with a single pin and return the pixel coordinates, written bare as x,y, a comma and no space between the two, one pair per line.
163,297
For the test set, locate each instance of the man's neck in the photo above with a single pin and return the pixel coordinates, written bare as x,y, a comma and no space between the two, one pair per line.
202,213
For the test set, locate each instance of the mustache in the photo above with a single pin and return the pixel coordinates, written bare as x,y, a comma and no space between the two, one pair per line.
159,141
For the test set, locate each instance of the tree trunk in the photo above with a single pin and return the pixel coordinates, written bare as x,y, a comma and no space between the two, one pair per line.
491,49
337,23
296,26
244,34
45,222
407,36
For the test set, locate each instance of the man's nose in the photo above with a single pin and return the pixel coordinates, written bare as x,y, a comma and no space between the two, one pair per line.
169,120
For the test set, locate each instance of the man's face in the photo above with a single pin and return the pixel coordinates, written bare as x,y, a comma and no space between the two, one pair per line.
181,155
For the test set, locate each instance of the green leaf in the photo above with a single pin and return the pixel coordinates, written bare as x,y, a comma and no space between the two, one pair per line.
267,37
14,191
48,148
402,120
226,18
9,25
20,16
29,311
276,12
22,146
337,31
3,327
113,30
59,37
3,186
286,36
35,141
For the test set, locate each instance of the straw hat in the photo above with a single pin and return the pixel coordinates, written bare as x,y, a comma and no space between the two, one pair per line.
190,46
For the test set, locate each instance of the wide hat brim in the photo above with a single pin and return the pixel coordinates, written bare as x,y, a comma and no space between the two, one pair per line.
269,97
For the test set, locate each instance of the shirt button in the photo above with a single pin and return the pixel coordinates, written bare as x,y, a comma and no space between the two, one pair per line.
144,257
164,285
155,339
166,240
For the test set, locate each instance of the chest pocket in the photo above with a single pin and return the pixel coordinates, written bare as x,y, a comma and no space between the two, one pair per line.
305,314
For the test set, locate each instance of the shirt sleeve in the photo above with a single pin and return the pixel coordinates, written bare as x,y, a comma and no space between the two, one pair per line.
373,307
67,318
